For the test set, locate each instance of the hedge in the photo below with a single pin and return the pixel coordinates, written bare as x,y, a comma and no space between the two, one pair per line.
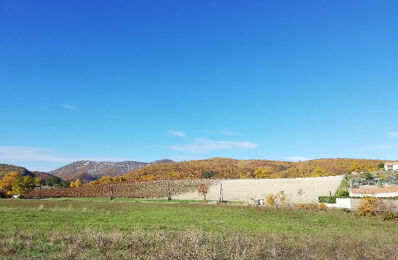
327,199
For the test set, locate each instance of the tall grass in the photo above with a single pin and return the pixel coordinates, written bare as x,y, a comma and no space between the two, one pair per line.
108,229
189,244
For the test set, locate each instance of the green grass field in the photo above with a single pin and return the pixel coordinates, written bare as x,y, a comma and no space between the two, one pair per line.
97,228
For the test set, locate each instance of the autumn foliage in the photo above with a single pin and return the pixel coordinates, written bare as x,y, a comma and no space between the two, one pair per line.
108,180
14,184
76,183
368,206
224,168
202,190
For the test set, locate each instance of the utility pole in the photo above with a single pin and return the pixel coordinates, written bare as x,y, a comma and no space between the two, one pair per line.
221,193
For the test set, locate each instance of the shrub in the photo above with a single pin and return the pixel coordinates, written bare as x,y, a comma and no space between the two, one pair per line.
282,168
76,184
282,198
327,199
381,165
368,176
322,207
307,206
261,173
319,172
270,200
342,194
355,167
372,169
208,175
368,207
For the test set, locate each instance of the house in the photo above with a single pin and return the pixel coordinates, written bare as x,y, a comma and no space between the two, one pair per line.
388,166
374,191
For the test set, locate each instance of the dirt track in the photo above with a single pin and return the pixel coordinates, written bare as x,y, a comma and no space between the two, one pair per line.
297,190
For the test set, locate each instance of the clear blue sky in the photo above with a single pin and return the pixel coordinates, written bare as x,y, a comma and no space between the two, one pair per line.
145,80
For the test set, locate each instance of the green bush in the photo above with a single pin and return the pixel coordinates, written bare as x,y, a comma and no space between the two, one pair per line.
342,194
327,199
208,175
368,176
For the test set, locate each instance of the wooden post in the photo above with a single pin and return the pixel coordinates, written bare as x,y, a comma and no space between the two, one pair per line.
111,193
168,191
221,193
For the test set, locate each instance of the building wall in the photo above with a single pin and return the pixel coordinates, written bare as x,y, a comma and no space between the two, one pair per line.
388,167
353,204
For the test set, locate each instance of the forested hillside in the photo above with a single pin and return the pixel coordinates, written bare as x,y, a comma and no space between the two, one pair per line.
15,180
7,168
219,168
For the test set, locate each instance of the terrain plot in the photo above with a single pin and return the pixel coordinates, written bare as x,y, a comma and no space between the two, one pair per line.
82,229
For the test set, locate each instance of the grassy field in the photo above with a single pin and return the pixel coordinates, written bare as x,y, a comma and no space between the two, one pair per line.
98,228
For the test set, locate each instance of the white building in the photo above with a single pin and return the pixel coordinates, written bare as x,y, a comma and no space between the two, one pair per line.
391,166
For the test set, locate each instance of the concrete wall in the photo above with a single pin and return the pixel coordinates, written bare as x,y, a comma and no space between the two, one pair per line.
353,203
297,190
343,203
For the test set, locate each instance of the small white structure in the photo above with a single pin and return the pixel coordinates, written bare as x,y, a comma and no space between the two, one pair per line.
388,166
258,201
343,203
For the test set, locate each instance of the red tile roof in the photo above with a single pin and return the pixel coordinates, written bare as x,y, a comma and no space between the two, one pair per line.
374,190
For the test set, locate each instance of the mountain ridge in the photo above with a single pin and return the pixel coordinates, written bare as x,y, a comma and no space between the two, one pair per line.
91,170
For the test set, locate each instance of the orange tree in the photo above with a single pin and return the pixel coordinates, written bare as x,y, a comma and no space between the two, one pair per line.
202,190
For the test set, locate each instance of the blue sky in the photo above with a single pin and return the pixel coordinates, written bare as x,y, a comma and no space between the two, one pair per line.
145,80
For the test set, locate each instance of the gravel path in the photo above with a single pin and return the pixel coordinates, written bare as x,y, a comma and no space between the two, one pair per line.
298,190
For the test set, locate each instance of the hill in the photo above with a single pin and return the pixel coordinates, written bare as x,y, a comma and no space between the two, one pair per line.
225,168
335,166
7,168
91,170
